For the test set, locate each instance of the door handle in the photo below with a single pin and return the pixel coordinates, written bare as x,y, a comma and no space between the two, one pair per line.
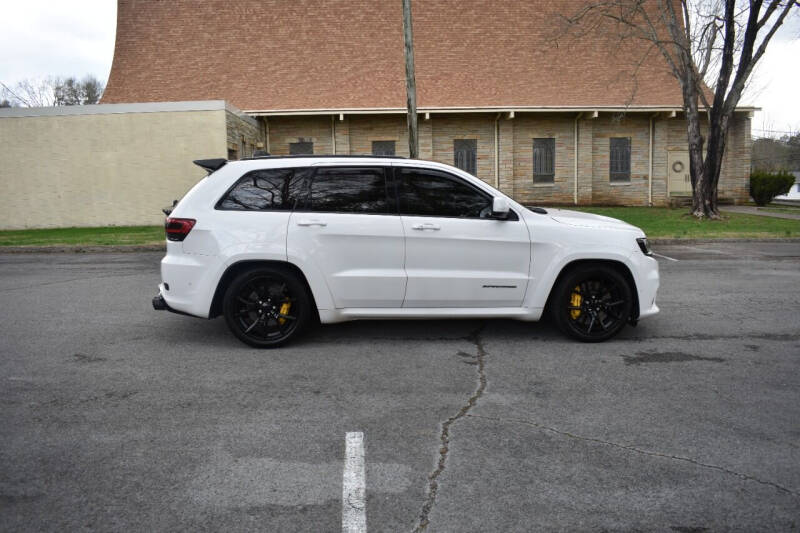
425,226
311,223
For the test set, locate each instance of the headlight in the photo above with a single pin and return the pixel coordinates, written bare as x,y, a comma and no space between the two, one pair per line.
644,245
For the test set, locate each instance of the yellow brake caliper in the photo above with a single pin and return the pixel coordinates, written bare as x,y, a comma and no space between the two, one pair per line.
285,306
575,301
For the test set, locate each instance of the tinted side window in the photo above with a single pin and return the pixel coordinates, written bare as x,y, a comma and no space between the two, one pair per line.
349,190
275,189
424,192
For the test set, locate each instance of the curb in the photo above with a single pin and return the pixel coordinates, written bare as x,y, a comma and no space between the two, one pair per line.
100,249
721,241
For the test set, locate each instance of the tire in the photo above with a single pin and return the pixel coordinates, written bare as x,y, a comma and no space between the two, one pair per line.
266,307
592,303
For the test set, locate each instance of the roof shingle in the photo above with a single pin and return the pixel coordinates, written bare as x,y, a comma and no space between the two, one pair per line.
347,54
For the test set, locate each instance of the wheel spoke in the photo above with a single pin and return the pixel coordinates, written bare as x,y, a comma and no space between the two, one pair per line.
589,330
287,317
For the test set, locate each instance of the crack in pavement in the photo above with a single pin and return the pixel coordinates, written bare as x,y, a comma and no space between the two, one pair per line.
444,437
630,448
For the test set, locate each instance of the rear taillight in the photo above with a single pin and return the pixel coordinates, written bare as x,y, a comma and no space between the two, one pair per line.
178,228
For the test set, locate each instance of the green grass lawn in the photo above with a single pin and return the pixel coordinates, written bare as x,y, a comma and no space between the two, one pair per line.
657,222
661,222
117,235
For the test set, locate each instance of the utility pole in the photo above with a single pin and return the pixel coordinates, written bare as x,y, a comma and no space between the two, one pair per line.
411,83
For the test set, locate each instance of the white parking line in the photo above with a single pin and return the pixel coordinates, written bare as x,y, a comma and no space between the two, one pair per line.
354,507
665,257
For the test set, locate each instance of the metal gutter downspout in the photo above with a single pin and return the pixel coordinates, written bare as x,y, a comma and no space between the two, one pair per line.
650,164
575,140
497,151
333,133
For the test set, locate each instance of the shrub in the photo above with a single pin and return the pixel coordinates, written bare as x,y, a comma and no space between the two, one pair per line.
764,186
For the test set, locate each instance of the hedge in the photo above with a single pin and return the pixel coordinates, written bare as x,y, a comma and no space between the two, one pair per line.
764,186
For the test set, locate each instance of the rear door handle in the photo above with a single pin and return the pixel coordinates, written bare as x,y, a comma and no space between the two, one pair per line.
311,223
425,226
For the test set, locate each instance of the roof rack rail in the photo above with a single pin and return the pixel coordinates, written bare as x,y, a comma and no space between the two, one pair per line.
302,156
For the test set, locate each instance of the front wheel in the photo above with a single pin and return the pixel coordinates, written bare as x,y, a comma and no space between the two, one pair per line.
592,303
266,307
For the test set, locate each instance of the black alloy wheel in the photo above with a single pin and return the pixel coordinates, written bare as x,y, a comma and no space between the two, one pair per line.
592,303
266,307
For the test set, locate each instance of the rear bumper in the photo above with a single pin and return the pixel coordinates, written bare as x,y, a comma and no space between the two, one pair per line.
160,304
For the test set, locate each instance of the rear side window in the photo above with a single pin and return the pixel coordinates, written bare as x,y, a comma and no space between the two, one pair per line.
266,190
425,192
349,190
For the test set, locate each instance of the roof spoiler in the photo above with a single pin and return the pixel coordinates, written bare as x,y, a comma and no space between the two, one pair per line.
212,165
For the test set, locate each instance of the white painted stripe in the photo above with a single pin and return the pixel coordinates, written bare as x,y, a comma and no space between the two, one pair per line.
354,490
664,257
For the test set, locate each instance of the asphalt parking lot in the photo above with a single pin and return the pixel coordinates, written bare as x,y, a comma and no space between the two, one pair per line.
118,417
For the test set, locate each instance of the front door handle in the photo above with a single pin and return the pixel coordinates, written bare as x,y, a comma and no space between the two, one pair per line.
311,223
423,227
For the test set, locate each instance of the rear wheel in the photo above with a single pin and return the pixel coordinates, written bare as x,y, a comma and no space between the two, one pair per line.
266,307
592,303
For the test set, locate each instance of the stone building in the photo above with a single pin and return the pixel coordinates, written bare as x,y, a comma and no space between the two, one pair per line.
504,92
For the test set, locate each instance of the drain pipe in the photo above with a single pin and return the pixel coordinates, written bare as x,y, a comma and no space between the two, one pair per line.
650,164
497,151
575,140
333,133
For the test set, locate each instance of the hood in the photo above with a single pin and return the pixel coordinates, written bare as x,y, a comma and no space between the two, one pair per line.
589,220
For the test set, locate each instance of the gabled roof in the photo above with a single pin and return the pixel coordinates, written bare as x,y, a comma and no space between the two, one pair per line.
274,55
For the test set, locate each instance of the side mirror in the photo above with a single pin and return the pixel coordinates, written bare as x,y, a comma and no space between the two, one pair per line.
499,208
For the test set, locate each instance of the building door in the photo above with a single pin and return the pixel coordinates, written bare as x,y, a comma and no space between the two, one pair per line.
680,181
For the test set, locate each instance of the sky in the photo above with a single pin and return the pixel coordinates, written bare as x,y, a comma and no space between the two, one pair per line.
42,38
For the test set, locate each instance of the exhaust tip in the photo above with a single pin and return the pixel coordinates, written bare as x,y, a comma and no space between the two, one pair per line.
159,304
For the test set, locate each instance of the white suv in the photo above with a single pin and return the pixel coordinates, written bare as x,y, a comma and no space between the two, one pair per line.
274,243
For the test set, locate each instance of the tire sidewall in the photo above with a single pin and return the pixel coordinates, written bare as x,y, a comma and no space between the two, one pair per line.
564,290
295,286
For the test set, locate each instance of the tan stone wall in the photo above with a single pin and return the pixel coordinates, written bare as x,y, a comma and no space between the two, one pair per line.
243,133
286,130
101,169
529,127
367,128
448,128
634,192
354,135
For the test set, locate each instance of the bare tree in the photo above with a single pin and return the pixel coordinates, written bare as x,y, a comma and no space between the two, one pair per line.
30,92
47,92
711,47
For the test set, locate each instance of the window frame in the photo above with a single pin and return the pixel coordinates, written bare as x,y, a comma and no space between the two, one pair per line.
394,147
302,206
543,179
626,178
512,215
301,142
475,153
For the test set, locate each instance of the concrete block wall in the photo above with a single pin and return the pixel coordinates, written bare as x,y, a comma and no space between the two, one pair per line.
104,165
